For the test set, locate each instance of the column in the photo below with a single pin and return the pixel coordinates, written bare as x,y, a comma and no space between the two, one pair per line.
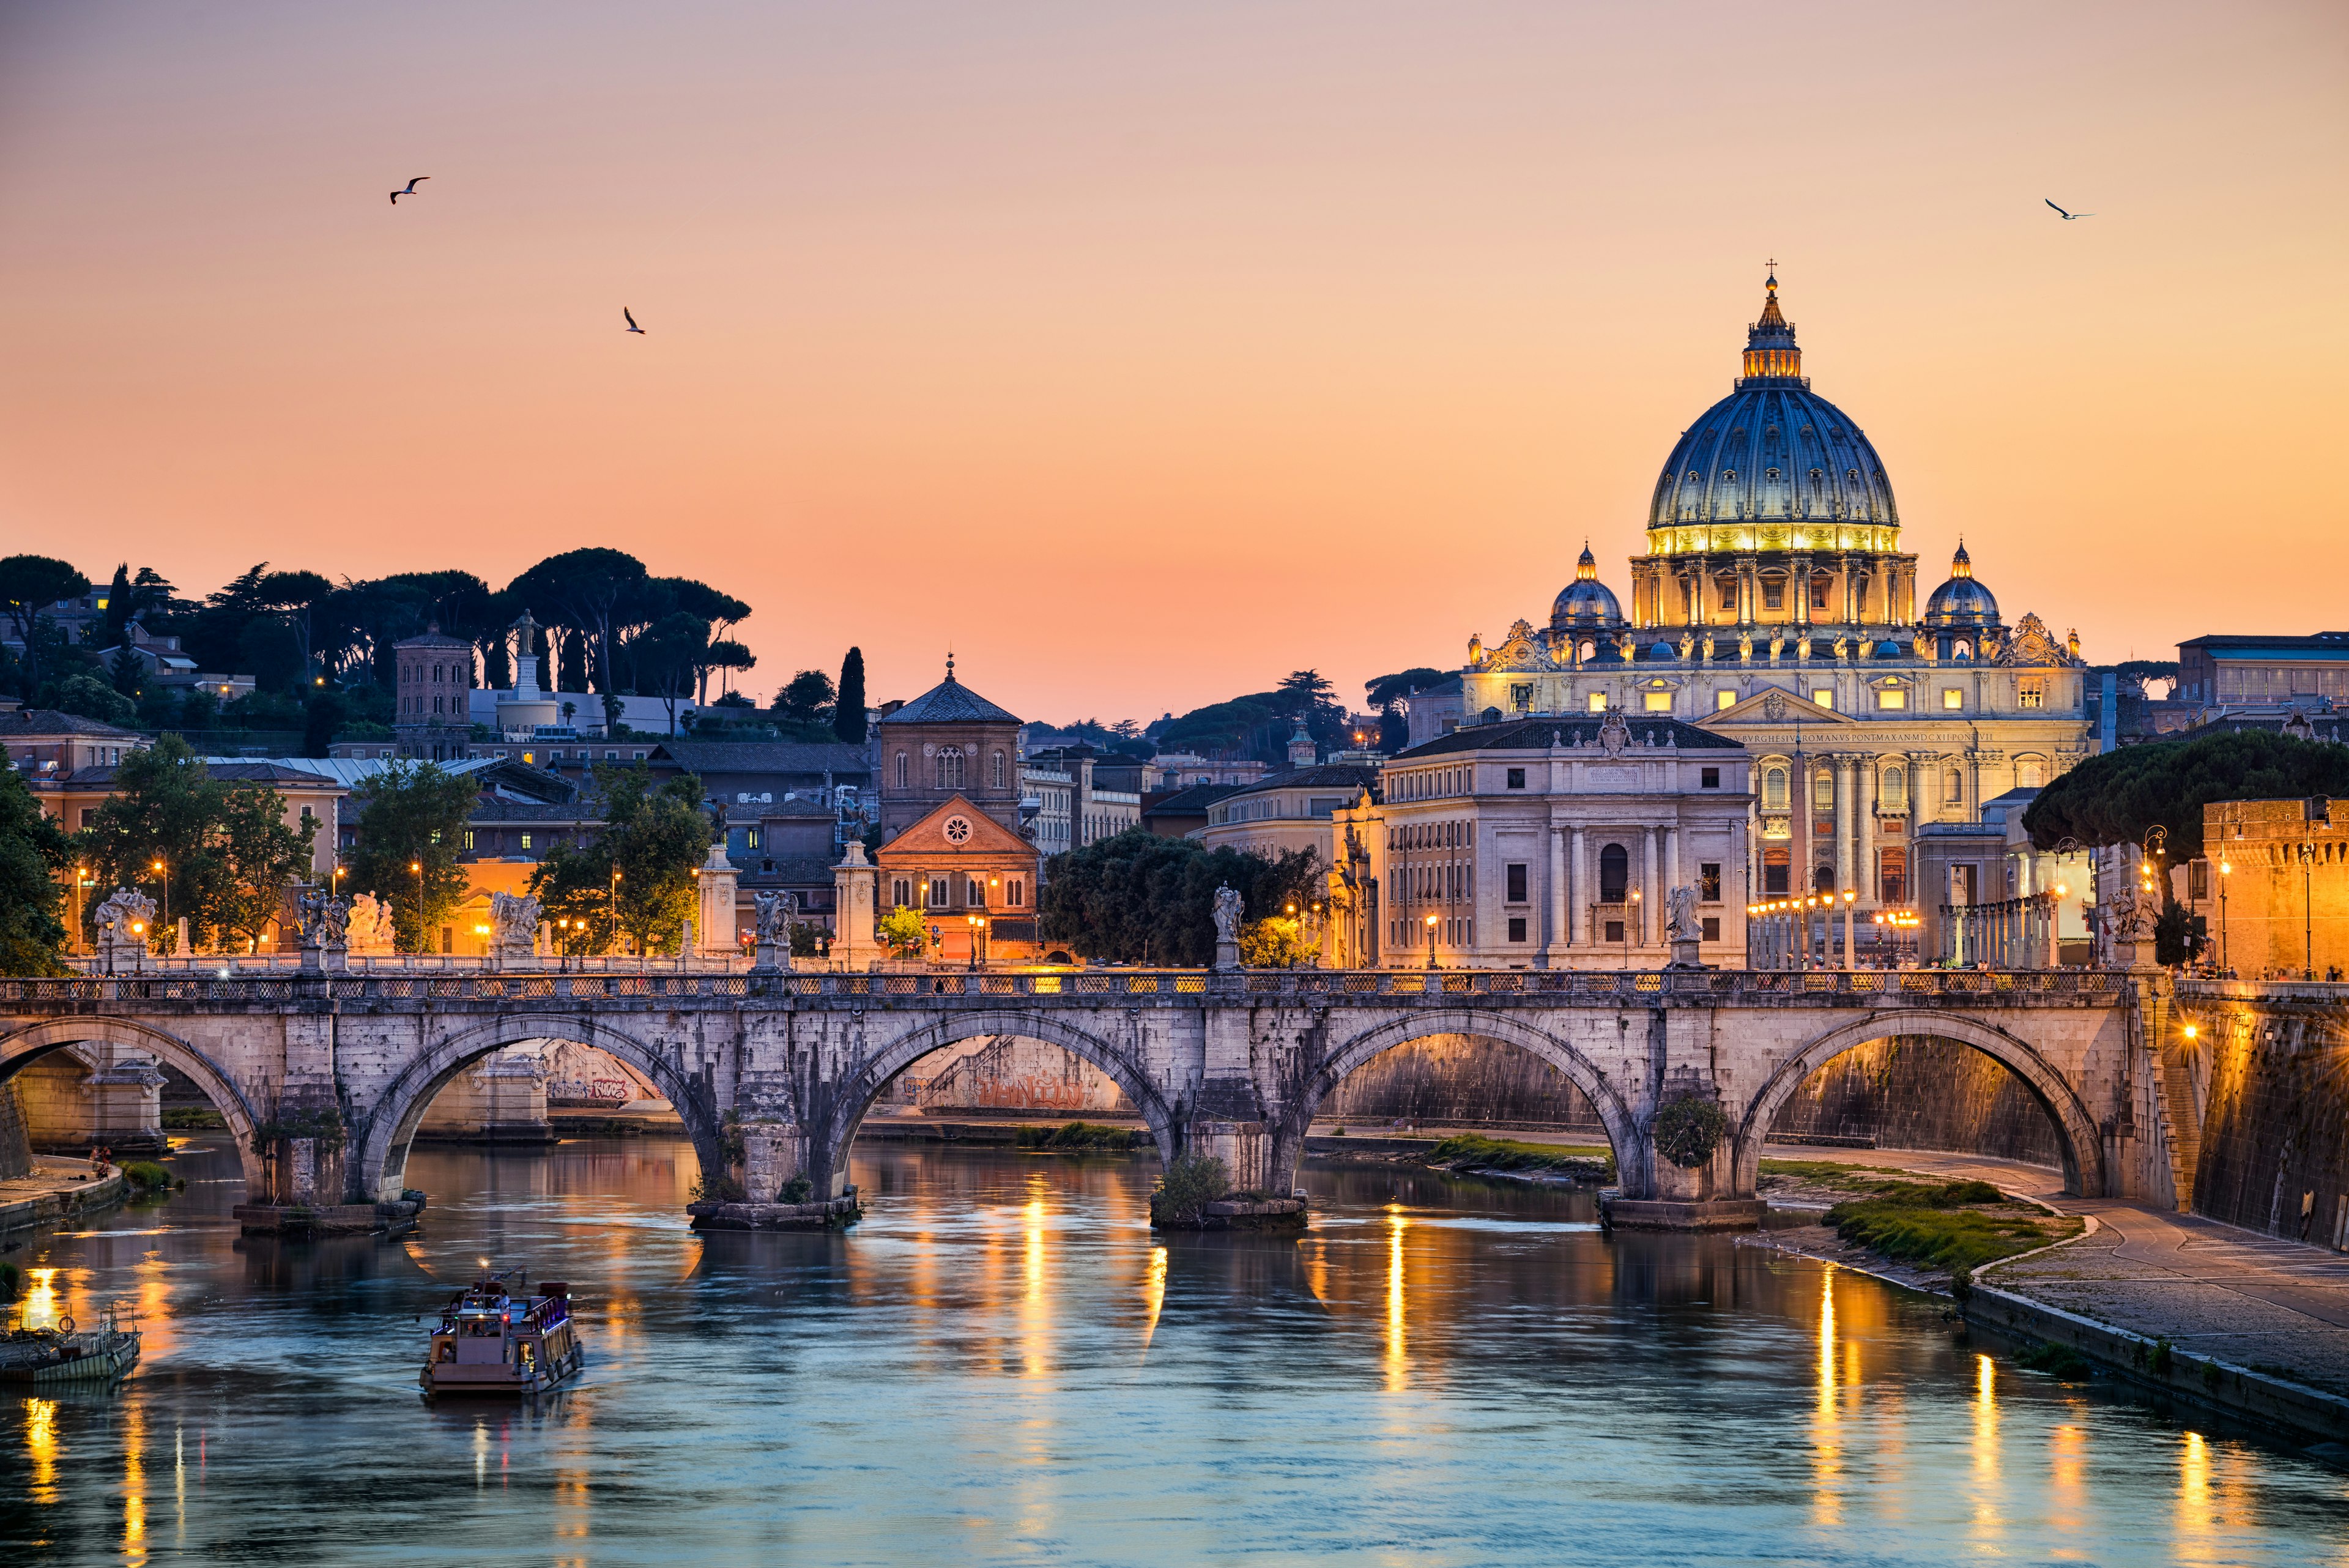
1647,897
1801,583
1870,893
1557,934
1671,857
1843,822
1578,891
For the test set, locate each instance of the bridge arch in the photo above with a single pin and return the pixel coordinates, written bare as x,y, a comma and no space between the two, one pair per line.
2076,1130
833,1118
21,1047
1621,1127
381,1139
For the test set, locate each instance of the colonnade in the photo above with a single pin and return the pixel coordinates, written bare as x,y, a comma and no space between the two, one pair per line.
2012,933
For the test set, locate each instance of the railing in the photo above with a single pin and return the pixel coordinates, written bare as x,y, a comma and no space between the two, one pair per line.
1080,985
2332,992
220,966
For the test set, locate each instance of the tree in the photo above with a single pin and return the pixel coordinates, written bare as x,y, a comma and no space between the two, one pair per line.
582,588
654,837
34,854
129,598
126,671
848,704
163,811
1388,689
808,699
903,930
2114,798
669,656
90,698
253,857
321,718
1138,897
413,818
29,584
726,654
296,595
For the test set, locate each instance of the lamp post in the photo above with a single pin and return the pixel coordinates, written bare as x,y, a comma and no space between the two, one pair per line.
2225,869
1632,919
162,869
612,904
81,886
2307,919
1850,903
1431,941
977,929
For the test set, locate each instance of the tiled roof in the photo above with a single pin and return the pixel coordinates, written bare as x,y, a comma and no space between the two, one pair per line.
226,769
1194,801
35,721
789,869
1534,734
706,757
1348,776
950,703
495,810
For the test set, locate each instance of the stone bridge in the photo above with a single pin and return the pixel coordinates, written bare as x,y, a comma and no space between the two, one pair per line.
324,1077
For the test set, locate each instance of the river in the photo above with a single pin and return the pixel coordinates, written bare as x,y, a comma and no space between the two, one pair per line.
1002,1364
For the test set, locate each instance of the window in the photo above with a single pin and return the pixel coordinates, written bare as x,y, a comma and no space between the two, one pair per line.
1709,778
1773,789
1774,596
1824,696
2197,880
1517,928
635,756
999,770
1614,931
902,893
1657,701
2030,692
1952,699
1822,789
949,769
1892,697
468,838
1892,875
1599,702
1013,893
1776,864
938,892
1818,593
975,892
1712,927
1517,876
1708,882
1521,698
1723,700
1614,873
525,841
1516,778
611,756
2030,774
1729,593
1895,793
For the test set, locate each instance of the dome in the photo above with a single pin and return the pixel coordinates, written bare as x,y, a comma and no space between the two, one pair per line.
1961,601
1772,450
1586,603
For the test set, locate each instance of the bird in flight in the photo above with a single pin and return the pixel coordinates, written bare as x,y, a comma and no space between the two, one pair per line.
2068,217
408,189
631,321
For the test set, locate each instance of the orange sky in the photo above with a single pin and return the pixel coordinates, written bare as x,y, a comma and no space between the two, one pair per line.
1147,353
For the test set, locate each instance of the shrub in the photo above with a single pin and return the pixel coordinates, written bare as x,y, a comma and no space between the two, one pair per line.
147,1176
1689,1130
2059,1361
715,1190
798,1189
1928,1224
192,1118
1962,1286
1191,1183
1081,1137
2162,1359
1485,1153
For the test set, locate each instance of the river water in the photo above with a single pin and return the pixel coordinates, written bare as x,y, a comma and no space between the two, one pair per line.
1002,1364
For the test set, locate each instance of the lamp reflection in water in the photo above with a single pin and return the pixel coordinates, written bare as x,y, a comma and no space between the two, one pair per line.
1989,1494
134,1481
2068,1477
2193,1522
1035,1308
1153,1295
1826,1425
1398,1368
41,1444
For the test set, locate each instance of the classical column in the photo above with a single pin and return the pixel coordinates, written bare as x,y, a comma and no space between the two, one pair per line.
1671,857
1578,891
1843,781
1649,898
1557,936
1870,892
1801,583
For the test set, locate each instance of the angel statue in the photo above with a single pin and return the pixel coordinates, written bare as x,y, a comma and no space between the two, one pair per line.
1227,913
1681,923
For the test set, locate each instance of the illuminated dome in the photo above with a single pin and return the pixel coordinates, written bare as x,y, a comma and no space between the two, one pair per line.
1586,603
1772,452
1961,601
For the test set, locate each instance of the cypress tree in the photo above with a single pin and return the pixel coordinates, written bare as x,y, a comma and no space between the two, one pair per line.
848,706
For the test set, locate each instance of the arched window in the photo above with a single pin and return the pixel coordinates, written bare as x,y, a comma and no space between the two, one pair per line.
1614,873
901,770
1895,790
999,770
1823,880
2030,774
1773,789
1954,787
1823,789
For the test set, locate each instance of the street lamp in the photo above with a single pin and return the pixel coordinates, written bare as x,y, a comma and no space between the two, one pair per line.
2225,869
418,866
163,870
612,904
978,925
1850,901
1632,919
1431,941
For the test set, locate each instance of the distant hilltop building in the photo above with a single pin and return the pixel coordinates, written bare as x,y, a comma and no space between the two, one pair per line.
1776,607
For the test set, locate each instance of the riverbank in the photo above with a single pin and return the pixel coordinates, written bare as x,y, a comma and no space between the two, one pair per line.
57,1189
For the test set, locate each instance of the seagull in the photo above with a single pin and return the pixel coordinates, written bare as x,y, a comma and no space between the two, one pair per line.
2068,217
631,321
408,189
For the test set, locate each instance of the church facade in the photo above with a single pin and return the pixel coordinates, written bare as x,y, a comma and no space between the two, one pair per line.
1774,605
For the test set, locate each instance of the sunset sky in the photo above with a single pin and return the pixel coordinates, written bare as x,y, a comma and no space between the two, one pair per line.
1144,354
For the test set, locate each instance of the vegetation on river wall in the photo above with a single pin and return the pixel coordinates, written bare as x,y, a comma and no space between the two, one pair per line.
1953,1225
1474,1151
1083,1138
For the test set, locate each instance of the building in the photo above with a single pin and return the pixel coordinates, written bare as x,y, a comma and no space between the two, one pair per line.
162,662
2272,887
46,745
1986,895
1774,607
2222,673
947,744
1178,814
1067,800
1287,811
1171,770
433,684
1549,843
972,877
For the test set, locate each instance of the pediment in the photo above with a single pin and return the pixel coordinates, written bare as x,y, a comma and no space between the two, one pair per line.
1774,705
958,827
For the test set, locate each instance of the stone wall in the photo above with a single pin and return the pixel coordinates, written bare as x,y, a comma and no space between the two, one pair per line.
2275,1148
1460,1080
1909,1092
1012,1074
15,1149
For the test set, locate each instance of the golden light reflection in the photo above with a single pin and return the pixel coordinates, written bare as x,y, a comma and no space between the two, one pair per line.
2195,1527
2067,1476
134,1482
179,1486
41,1444
1989,1494
1154,1294
41,1301
1826,1423
1035,1309
1398,1368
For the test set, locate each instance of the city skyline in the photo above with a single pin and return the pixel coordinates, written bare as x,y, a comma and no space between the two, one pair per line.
1206,348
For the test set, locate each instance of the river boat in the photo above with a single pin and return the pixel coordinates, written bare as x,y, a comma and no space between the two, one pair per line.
493,1341
60,1353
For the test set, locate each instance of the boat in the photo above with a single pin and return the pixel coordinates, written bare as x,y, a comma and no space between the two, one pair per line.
60,1355
492,1340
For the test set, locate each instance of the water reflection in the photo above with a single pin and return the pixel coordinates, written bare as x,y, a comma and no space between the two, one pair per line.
1005,1364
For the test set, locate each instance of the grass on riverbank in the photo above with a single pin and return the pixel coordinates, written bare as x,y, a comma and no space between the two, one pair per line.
1083,1138
1481,1153
1952,1225
192,1118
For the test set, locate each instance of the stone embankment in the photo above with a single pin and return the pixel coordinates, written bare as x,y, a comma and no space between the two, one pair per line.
832,1214
57,1189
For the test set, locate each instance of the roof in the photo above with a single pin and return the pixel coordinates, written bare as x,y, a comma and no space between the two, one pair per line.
811,870
51,721
1348,776
950,703
927,839
1535,734
766,756
1191,802
2322,645
353,772
225,770
496,808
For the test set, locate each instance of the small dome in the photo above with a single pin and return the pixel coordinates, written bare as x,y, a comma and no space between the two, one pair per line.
1961,601
1586,603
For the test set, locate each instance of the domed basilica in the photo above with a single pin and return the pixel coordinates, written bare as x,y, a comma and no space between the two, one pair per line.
1774,605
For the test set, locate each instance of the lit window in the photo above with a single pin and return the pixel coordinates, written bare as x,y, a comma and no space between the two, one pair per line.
525,841
1657,701
1599,702
1952,699
1724,700
1892,697
1823,696
2030,692
1773,789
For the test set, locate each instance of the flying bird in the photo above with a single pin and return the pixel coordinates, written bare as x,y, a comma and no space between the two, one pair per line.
2068,217
408,189
631,321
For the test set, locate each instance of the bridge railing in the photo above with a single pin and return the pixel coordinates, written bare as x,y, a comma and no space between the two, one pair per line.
1305,986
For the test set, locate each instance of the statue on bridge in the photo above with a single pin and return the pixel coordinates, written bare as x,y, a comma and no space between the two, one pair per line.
125,922
325,919
367,927
1226,911
514,925
1681,924
776,914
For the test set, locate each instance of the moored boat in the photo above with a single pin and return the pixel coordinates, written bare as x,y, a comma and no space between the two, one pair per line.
63,1355
493,1341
